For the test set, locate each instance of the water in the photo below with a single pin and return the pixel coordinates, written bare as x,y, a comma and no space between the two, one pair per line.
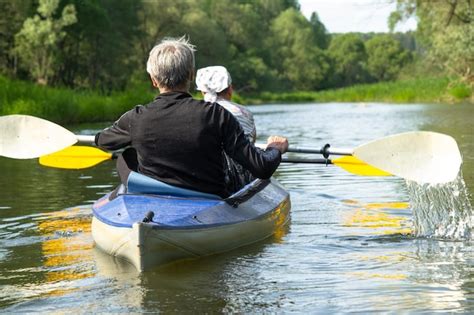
348,248
442,210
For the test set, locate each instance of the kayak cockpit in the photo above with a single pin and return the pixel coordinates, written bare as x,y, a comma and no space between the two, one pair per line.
125,208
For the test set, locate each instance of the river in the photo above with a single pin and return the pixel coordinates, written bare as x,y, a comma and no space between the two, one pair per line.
348,247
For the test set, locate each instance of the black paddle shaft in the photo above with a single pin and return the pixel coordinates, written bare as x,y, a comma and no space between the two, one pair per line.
307,161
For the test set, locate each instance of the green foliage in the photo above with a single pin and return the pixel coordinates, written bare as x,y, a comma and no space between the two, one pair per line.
267,45
349,58
386,57
296,56
36,44
11,20
65,105
109,44
99,52
426,90
461,91
321,35
251,73
446,31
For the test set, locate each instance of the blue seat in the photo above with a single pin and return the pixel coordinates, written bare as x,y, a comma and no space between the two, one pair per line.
142,184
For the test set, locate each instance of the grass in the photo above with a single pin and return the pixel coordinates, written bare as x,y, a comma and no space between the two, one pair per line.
427,90
63,105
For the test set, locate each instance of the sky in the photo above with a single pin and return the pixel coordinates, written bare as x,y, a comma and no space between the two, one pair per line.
343,16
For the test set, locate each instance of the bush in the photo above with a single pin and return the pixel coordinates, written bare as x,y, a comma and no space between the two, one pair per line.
460,91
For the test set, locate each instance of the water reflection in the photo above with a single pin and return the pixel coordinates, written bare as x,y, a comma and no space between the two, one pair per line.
54,253
66,248
379,218
194,285
443,265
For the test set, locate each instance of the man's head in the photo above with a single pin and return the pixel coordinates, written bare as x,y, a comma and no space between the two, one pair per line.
214,81
171,64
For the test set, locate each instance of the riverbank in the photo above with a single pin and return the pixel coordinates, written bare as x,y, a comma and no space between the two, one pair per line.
427,90
64,105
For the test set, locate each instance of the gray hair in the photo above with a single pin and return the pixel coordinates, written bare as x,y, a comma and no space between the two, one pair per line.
171,63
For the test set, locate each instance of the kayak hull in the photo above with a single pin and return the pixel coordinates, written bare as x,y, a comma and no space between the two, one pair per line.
185,228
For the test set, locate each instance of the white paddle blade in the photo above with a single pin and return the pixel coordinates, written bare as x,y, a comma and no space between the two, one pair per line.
26,137
423,157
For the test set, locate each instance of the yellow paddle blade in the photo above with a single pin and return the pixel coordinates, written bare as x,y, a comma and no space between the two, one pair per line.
75,157
355,166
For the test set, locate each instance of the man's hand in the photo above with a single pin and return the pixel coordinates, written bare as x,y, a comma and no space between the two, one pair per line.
280,143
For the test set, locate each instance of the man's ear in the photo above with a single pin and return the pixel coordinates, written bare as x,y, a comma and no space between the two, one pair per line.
154,82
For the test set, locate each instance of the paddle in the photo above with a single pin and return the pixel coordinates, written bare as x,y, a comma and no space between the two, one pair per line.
420,156
424,157
76,157
26,137
79,157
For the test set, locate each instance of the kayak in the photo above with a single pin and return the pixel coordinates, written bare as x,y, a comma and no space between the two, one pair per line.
150,227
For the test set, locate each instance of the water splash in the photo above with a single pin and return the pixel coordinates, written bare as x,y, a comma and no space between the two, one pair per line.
442,210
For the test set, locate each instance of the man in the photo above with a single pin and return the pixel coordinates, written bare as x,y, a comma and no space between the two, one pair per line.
181,141
215,83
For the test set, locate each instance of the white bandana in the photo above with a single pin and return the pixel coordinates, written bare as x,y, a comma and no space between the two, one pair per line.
212,80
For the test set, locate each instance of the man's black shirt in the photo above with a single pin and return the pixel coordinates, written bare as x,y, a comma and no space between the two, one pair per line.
180,141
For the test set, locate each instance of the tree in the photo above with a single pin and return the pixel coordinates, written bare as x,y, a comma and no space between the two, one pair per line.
11,20
161,18
446,30
37,42
349,59
321,35
386,57
250,72
270,9
90,44
101,50
295,54
211,41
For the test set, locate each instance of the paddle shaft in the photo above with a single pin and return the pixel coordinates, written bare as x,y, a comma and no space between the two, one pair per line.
85,139
306,161
78,157
390,156
325,150
91,139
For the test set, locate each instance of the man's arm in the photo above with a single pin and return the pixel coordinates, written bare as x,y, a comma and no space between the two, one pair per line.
116,136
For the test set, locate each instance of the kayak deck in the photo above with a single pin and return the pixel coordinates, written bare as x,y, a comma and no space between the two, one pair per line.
171,211
126,210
